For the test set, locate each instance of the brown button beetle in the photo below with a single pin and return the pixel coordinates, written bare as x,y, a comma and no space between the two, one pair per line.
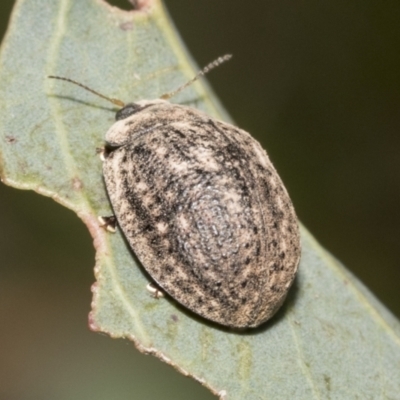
203,209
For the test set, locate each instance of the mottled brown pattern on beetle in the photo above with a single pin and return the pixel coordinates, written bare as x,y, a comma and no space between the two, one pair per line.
205,212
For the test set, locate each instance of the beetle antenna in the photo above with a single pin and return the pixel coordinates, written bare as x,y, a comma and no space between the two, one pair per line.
110,99
204,71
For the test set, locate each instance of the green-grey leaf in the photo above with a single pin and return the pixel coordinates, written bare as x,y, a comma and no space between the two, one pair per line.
332,339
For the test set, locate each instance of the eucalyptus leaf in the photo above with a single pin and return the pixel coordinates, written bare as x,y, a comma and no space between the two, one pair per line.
331,339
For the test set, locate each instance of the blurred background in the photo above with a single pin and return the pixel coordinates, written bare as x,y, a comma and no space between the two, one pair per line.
318,83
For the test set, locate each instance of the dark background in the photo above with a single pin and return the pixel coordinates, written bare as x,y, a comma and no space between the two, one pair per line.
317,82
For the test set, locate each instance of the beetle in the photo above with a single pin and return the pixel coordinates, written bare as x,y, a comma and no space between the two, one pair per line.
202,208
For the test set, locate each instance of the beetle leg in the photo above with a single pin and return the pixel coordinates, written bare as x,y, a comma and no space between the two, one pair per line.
108,223
155,291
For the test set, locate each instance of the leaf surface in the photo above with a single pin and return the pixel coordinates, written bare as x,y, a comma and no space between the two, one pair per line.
332,338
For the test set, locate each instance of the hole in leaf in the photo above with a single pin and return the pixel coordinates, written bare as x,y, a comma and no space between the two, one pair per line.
127,5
